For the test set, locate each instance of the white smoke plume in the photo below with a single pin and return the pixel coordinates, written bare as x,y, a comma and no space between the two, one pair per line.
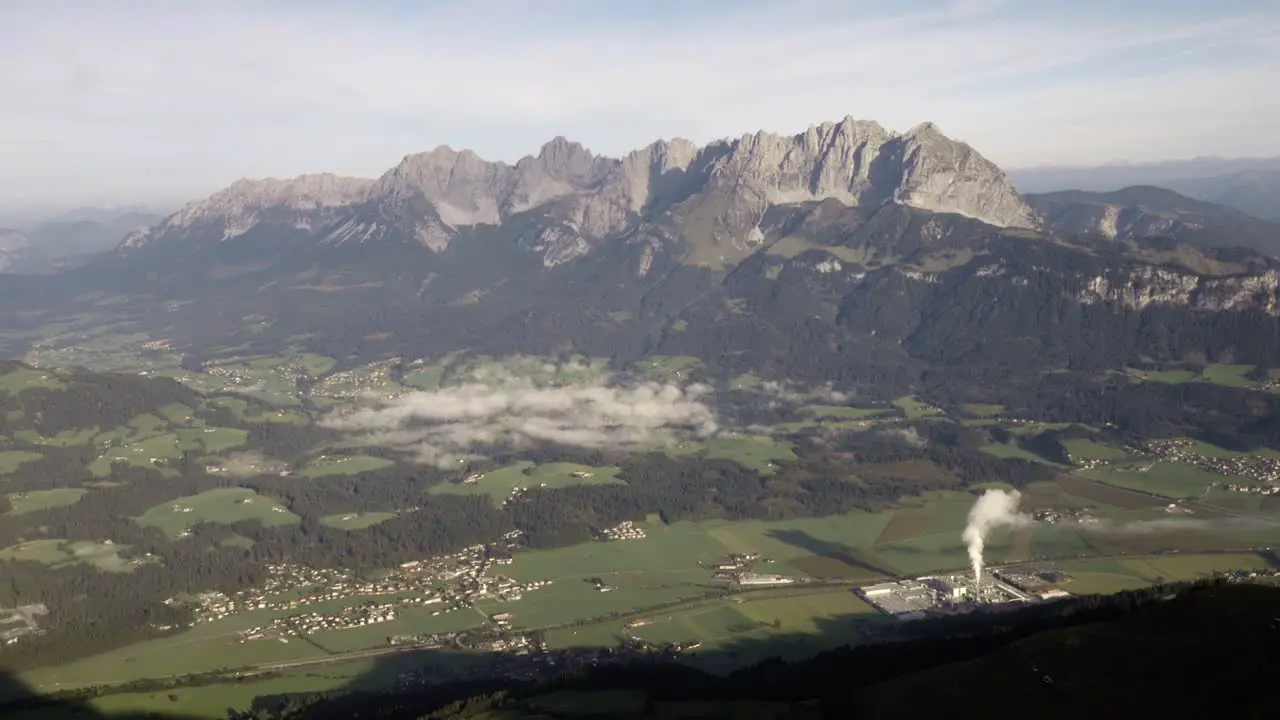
445,426
996,508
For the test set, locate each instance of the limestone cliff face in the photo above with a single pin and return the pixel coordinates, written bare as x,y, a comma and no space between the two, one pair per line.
1143,286
308,203
716,195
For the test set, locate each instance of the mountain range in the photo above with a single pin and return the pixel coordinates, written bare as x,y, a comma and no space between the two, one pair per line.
1248,184
61,241
844,251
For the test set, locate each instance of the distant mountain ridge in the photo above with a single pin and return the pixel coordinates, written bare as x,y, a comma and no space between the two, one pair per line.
713,195
1251,185
64,240
1147,211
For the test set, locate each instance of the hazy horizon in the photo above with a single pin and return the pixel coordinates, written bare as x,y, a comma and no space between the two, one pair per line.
140,103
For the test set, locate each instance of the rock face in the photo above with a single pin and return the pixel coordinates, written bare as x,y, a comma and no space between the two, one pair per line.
716,195
1140,287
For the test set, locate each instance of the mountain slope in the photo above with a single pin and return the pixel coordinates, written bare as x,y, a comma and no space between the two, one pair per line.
845,253
1255,191
1146,211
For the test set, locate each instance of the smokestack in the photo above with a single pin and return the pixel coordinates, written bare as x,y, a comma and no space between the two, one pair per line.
994,509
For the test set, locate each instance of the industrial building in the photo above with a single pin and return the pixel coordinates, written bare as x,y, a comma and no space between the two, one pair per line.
910,599
902,598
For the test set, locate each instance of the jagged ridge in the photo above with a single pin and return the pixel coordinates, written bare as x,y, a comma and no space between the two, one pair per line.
716,194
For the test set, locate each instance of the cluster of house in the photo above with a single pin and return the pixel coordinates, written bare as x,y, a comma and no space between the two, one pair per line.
454,581
1262,470
1252,489
1055,515
18,623
348,617
358,381
737,568
626,530
234,375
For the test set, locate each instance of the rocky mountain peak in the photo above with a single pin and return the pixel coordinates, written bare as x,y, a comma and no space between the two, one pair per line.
939,174
305,192
240,206
718,193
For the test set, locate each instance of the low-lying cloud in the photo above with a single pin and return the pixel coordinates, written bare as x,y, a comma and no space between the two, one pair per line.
443,427
908,435
787,393
248,464
1170,525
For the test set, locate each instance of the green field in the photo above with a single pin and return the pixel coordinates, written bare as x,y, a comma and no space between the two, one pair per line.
66,438
225,506
15,381
499,484
1109,575
355,521
840,412
343,465
982,410
1216,373
756,452
58,553
212,702
915,409
1228,375
665,367
1170,479
10,460
427,377
1010,450
34,500
1091,450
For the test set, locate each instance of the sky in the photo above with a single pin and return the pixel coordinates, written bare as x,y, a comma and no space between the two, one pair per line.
161,101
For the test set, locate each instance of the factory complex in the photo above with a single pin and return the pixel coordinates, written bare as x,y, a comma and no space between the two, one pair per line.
928,595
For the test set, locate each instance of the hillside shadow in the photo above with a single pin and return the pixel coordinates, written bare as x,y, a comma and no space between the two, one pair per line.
884,668
915,672
830,550
19,702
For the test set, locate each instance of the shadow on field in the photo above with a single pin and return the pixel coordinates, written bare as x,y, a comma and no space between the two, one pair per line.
826,549
17,702
1112,652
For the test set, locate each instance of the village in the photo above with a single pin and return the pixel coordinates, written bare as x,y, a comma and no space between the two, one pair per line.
1263,470
454,582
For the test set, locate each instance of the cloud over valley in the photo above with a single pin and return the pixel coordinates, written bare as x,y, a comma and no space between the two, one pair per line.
442,427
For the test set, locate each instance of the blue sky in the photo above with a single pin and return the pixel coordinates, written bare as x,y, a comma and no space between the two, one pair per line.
148,101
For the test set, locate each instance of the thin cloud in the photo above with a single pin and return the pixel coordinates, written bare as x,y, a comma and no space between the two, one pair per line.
458,423
124,101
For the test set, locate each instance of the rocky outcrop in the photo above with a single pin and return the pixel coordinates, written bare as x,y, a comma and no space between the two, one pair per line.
1140,287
